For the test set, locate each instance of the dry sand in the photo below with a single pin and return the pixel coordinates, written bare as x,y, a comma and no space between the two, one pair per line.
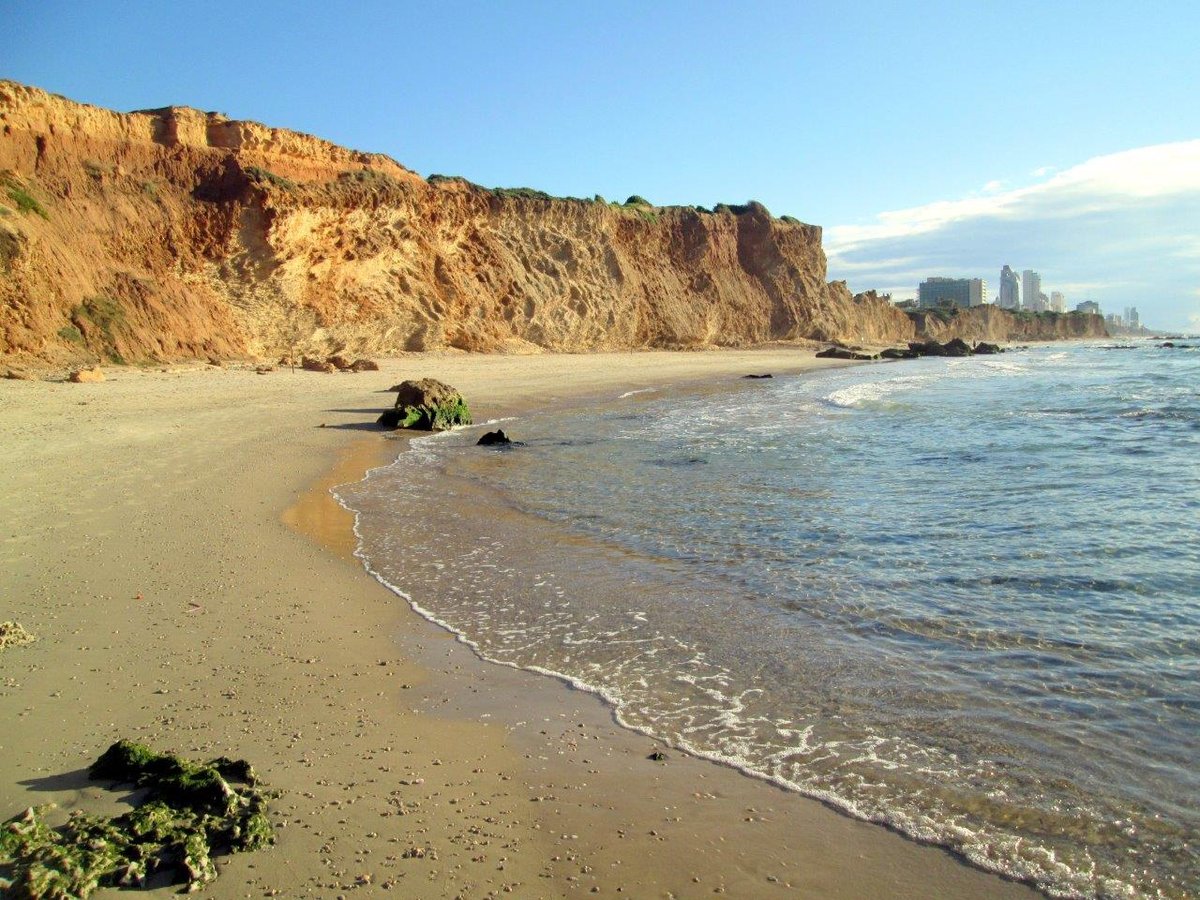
169,538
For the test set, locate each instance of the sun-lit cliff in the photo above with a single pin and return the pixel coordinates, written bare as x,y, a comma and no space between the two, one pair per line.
174,233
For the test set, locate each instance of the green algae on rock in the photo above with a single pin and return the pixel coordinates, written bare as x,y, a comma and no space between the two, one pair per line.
426,405
189,813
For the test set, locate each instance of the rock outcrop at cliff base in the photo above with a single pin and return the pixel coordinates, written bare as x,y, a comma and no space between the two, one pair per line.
174,233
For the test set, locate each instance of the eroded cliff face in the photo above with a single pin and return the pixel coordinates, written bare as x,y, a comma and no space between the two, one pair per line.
175,233
990,323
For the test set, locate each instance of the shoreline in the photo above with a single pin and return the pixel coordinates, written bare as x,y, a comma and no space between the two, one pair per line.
503,777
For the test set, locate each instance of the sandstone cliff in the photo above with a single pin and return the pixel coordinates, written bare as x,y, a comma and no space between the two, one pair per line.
990,323
174,233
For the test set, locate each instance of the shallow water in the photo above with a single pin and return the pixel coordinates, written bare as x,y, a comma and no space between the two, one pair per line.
960,597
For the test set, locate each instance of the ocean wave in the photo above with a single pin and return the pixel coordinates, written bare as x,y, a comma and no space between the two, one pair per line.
872,392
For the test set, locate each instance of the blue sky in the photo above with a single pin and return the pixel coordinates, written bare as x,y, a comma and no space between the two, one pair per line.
928,138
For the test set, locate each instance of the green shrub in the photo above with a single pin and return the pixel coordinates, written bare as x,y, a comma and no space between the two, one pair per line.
97,169
522,193
263,177
71,333
102,314
21,197
741,209
635,200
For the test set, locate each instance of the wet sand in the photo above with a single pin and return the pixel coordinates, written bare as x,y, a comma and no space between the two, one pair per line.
171,541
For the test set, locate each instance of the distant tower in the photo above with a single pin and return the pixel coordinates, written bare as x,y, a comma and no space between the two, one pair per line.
1010,289
1058,302
1031,289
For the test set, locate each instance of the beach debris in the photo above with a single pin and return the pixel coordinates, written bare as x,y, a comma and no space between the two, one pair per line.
19,375
263,370
189,813
428,405
86,376
13,634
657,755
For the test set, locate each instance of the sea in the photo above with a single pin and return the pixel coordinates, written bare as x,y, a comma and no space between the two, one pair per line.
958,597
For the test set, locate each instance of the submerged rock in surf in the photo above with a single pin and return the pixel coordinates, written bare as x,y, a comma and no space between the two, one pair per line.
498,438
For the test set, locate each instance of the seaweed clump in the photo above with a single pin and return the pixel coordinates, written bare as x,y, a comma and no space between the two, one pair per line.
189,814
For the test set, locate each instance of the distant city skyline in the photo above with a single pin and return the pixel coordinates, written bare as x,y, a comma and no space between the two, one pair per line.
1016,292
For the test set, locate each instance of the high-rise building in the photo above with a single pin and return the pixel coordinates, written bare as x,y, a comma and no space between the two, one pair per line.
1031,289
1010,289
964,292
1058,303
979,292
1132,318
1088,306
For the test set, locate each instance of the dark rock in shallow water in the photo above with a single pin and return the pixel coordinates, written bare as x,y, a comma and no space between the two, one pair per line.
928,348
844,353
955,347
899,353
768,375
498,438
986,348
657,756
428,405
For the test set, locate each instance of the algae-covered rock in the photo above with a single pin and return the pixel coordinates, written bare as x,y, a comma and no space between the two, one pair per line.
427,405
190,813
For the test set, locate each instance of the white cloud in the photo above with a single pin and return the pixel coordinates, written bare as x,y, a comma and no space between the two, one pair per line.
1042,171
1126,223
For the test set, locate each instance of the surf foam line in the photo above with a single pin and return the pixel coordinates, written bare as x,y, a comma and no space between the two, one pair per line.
1007,855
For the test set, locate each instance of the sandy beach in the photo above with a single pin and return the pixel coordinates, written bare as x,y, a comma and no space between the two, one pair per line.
171,541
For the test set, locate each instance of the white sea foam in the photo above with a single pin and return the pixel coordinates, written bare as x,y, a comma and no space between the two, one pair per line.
638,391
870,392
